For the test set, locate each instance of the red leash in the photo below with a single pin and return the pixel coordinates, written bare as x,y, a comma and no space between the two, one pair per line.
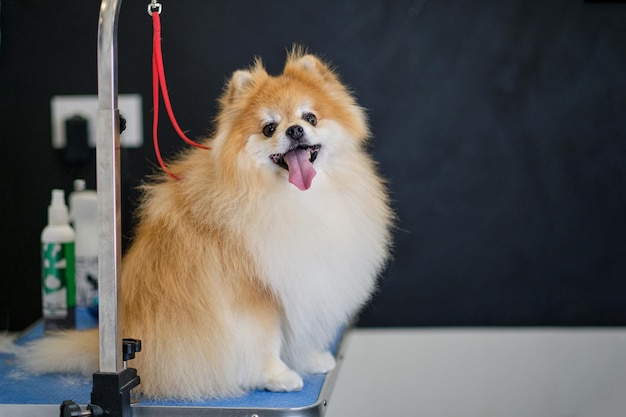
158,79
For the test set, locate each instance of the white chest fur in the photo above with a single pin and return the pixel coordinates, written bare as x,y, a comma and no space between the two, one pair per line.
320,250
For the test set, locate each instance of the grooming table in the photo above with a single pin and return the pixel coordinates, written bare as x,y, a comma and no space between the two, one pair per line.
27,395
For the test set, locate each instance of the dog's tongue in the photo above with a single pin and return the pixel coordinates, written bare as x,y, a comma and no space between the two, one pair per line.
301,171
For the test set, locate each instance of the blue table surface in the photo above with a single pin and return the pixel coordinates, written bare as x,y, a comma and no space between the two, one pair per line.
18,387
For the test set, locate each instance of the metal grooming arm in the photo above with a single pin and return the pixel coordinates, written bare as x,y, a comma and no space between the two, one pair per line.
110,394
113,383
108,185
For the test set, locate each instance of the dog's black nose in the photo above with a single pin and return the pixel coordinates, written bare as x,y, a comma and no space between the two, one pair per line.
295,132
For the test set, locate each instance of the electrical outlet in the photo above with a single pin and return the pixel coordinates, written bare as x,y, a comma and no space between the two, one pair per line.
65,107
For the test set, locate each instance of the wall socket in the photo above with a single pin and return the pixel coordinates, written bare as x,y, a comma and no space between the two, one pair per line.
65,107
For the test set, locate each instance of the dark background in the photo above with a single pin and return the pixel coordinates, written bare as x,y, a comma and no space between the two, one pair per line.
500,125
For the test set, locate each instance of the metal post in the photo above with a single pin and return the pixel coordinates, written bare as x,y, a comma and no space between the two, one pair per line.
108,184
110,394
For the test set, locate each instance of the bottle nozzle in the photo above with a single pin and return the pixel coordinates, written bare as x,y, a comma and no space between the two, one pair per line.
57,211
80,185
58,198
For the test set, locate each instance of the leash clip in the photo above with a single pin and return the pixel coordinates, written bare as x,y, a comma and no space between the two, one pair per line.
154,7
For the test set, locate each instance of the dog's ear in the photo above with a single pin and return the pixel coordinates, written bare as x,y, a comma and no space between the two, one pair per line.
306,62
298,60
242,80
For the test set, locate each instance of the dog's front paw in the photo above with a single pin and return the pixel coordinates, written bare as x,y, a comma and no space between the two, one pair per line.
321,363
285,380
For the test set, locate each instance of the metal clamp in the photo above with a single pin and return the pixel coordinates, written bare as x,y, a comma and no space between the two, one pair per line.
154,7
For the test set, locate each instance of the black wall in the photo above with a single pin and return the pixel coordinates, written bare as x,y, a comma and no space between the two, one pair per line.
501,126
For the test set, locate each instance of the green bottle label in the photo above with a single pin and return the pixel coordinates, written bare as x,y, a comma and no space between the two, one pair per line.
58,280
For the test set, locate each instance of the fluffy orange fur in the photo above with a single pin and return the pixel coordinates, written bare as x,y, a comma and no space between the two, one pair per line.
235,279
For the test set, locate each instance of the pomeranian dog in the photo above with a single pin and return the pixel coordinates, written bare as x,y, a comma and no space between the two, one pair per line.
241,273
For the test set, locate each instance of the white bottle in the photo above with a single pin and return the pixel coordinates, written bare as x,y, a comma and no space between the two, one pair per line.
84,217
57,254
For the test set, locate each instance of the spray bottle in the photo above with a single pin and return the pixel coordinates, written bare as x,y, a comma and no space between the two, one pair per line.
58,281
84,218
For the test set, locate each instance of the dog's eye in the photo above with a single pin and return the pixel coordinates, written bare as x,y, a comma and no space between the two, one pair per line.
310,118
268,129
